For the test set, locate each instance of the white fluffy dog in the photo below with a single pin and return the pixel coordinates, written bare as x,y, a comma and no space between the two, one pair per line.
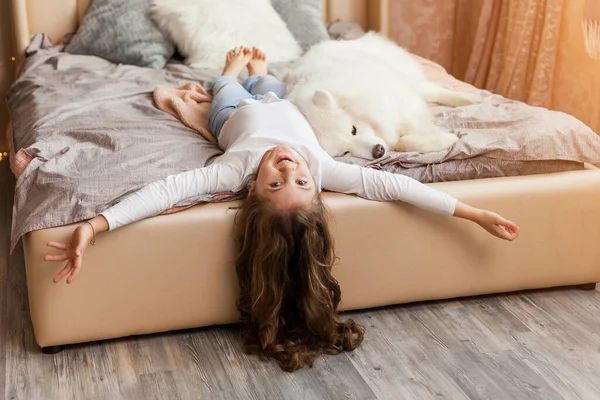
366,96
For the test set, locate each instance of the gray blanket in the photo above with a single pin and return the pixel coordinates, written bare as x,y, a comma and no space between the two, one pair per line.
95,136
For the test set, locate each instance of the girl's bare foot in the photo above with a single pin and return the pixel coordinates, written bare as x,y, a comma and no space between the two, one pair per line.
236,61
258,63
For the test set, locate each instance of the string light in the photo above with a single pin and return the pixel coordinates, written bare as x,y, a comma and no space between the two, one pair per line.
12,59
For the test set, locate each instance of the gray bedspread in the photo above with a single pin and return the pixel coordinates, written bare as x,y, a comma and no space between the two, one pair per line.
95,135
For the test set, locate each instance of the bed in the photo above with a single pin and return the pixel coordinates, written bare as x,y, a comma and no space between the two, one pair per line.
176,271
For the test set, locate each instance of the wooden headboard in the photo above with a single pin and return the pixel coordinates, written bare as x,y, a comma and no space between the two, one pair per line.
58,17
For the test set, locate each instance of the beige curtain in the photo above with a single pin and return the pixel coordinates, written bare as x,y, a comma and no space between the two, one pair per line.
522,49
576,76
591,28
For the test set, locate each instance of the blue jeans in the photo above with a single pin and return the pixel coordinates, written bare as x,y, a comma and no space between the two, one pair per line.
228,93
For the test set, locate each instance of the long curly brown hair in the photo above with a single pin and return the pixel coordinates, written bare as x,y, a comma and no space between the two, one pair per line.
288,297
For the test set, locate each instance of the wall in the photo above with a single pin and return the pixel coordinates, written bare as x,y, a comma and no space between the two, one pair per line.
6,67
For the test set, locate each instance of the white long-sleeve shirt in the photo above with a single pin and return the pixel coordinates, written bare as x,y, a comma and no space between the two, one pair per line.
254,128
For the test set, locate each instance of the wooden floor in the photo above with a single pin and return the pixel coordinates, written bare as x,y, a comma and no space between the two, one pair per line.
535,345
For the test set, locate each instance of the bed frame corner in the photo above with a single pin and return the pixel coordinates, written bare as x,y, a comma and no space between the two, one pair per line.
378,18
20,25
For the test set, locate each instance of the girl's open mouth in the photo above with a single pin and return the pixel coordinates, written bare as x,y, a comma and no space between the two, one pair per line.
284,158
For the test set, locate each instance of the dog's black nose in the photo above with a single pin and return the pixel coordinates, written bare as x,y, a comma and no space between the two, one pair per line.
378,151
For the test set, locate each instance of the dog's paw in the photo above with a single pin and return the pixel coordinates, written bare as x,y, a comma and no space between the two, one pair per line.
469,98
446,140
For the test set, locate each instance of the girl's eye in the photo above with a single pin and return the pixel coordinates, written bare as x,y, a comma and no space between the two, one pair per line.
353,130
276,184
301,183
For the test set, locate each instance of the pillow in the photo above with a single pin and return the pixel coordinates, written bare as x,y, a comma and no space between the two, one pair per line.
122,32
304,19
204,30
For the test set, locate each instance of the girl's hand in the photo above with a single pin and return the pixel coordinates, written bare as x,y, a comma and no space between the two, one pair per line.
490,221
497,226
73,252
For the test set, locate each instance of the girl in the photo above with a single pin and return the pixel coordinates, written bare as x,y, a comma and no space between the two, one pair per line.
288,298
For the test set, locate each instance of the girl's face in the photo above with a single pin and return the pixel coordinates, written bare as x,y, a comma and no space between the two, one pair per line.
284,179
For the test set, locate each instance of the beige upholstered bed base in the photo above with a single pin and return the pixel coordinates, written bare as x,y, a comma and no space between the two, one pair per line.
176,271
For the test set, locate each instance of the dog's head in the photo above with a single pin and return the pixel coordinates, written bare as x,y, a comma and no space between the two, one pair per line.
340,130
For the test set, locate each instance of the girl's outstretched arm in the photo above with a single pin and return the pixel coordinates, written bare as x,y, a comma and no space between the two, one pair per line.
148,201
385,186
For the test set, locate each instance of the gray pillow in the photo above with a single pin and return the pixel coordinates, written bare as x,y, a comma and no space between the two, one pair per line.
304,19
122,32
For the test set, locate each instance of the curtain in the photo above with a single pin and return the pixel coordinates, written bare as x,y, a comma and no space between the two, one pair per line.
577,75
528,50
591,28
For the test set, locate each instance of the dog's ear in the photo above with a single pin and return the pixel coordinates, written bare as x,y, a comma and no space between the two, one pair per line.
324,99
